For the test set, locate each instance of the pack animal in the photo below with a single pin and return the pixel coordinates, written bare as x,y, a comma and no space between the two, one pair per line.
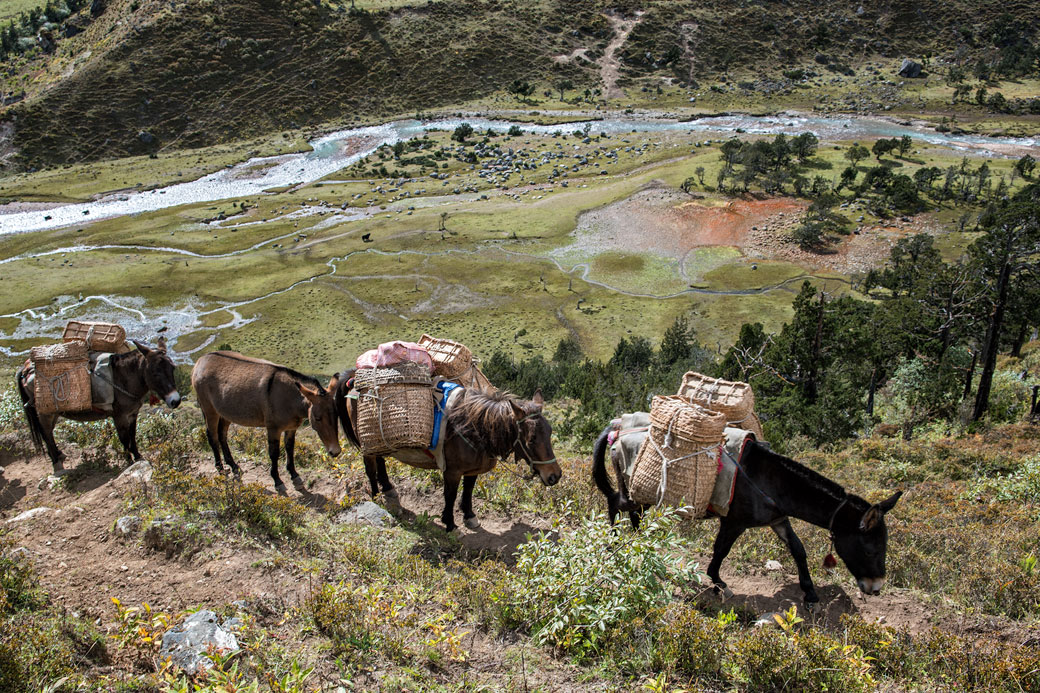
236,389
769,490
481,428
135,374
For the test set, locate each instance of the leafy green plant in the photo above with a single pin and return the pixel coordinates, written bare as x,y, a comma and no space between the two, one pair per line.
574,584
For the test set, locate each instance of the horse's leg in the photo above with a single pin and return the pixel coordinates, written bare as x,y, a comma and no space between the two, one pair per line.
635,516
371,464
469,518
451,491
289,438
123,431
47,423
132,435
213,436
222,429
389,492
274,446
728,534
786,533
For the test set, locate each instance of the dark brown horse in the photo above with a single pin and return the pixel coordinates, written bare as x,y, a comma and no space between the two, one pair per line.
134,375
769,490
481,428
232,388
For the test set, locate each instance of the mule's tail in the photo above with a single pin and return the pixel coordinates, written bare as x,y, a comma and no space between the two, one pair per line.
35,427
601,477
345,380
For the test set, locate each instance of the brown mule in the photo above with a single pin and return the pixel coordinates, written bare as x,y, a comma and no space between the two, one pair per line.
481,428
232,388
134,375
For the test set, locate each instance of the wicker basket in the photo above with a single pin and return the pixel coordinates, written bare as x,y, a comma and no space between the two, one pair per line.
735,401
395,408
678,461
99,336
62,380
455,362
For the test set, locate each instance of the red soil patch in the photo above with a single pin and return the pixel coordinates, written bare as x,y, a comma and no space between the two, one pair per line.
730,224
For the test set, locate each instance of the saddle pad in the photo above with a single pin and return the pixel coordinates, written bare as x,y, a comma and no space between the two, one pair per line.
102,387
734,442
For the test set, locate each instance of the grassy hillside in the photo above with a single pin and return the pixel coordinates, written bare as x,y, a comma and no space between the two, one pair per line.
149,75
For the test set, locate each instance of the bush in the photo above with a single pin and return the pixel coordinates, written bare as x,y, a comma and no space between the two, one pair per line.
575,585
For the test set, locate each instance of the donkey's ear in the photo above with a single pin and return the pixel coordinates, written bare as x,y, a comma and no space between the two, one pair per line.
310,393
871,519
333,382
161,343
538,399
887,505
142,347
518,411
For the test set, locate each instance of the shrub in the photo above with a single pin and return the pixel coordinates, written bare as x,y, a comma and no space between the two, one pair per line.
575,584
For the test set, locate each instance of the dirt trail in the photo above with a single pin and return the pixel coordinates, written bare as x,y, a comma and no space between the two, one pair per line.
83,564
609,64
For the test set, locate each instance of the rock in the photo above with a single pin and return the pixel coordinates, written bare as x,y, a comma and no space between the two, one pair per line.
767,620
30,514
50,482
97,7
127,525
773,565
136,476
146,137
910,68
187,643
367,512
19,555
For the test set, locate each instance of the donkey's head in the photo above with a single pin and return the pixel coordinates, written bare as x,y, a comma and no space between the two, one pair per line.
322,413
158,372
860,538
534,440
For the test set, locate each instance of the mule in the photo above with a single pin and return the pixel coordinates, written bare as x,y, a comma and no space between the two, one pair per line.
135,375
770,489
480,429
236,389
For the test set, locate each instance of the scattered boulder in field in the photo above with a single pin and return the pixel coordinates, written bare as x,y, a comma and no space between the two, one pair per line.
146,137
910,68
186,645
366,513
774,565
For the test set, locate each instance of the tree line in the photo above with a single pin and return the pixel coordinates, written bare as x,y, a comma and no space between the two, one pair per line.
925,337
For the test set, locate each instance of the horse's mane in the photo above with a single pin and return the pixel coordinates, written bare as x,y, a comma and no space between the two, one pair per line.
811,477
294,374
487,421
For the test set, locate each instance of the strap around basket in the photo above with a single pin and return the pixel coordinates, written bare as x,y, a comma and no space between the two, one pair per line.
665,462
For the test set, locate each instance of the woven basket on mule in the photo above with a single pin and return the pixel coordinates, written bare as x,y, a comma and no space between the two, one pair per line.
62,377
734,400
677,462
395,408
455,362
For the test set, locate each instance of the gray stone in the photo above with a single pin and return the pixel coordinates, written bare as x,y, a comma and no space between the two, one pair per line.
146,137
774,565
185,645
127,525
368,513
136,476
30,514
910,68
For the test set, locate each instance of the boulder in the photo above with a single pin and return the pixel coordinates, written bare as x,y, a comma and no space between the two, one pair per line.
146,137
186,645
127,525
97,7
366,513
30,514
136,476
910,68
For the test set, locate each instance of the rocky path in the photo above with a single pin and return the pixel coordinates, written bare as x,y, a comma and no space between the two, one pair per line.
609,64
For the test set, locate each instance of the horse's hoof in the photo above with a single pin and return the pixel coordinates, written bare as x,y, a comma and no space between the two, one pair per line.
471,522
727,593
299,483
812,607
61,471
280,489
392,495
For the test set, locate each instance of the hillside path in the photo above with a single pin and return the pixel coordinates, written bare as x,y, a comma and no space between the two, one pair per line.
609,64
